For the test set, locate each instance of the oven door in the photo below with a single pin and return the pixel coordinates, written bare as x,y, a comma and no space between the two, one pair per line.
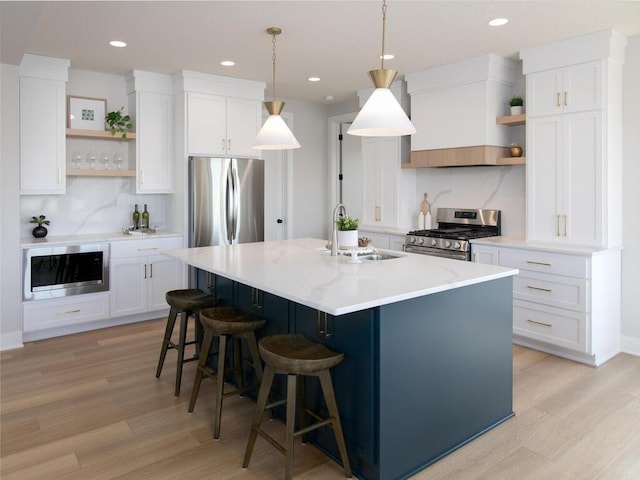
59,271
436,252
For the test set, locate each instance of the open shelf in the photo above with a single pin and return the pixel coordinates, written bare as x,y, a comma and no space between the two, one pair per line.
103,135
511,161
512,120
78,172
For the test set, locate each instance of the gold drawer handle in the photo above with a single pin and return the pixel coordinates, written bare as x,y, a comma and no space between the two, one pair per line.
539,263
540,323
68,312
147,248
539,288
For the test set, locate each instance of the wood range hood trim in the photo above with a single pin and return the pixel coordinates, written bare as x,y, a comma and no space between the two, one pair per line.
488,155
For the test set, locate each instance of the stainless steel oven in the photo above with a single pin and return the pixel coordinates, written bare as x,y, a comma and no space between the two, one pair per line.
456,228
62,270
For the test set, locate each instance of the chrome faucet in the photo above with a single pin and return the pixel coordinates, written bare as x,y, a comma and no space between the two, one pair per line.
339,210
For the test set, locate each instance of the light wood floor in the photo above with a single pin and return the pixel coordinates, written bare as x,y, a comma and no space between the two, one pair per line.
88,406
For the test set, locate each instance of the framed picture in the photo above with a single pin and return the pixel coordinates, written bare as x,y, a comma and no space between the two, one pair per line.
86,113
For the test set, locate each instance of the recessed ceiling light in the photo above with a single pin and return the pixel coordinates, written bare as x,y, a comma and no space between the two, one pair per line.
314,79
328,98
228,63
498,22
117,43
388,56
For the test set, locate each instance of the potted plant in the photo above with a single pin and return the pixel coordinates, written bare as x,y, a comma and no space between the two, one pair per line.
118,123
40,231
516,103
347,232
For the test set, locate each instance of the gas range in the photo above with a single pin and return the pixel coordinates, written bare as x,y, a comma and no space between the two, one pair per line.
456,227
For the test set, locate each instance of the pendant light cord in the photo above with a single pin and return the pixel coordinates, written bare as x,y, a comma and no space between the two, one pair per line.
384,23
273,59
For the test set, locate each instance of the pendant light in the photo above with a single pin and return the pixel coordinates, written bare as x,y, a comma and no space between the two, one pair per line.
382,115
274,134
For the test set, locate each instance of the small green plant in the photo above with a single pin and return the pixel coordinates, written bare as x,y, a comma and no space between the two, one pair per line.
118,122
40,220
345,223
516,101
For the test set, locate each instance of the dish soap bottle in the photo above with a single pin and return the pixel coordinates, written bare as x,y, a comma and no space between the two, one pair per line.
145,217
136,218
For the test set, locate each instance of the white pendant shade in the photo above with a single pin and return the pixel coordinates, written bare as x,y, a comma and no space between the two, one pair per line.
275,135
381,116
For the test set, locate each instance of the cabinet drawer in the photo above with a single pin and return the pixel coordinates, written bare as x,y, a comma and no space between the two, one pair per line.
143,247
43,314
546,324
545,262
552,290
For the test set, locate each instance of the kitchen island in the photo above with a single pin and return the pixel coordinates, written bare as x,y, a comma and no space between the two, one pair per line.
427,342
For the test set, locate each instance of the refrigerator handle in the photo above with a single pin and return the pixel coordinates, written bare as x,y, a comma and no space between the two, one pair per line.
229,205
236,200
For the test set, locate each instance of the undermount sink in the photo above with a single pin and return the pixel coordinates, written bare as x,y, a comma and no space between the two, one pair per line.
376,257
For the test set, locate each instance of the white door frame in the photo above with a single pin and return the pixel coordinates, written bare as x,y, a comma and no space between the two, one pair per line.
334,155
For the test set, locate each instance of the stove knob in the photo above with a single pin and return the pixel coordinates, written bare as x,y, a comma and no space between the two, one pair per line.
421,241
447,244
412,239
456,245
434,242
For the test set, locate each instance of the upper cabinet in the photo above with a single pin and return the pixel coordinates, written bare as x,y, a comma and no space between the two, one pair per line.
565,90
223,115
574,140
42,124
151,105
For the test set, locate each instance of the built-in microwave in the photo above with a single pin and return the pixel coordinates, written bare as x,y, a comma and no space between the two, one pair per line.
62,270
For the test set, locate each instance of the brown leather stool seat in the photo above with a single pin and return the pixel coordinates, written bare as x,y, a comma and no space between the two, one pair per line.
187,302
295,355
226,323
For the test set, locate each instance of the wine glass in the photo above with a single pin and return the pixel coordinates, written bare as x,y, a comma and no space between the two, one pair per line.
76,158
104,158
91,158
118,158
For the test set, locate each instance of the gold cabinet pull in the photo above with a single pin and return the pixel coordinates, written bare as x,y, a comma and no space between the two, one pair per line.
228,145
141,177
223,142
538,263
145,270
68,312
565,225
322,327
255,298
318,325
566,99
539,323
539,288
558,99
557,225
151,270
59,175
147,248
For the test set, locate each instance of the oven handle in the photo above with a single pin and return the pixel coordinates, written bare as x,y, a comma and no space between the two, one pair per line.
435,252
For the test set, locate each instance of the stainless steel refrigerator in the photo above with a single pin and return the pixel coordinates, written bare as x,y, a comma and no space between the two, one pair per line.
226,202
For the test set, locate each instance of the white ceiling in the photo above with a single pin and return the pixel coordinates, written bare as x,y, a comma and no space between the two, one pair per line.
339,41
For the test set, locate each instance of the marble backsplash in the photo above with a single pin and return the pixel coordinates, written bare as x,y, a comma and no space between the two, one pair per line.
499,188
91,206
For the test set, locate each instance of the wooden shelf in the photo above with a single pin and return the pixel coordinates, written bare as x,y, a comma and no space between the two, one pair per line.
512,120
511,161
78,172
98,134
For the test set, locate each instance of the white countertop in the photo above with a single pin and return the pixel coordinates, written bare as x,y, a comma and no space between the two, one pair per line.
50,240
511,242
303,271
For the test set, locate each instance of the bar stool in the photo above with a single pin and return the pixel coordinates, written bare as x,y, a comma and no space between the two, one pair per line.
294,355
187,302
226,323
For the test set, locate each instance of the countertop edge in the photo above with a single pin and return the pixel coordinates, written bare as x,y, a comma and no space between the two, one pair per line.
51,241
512,242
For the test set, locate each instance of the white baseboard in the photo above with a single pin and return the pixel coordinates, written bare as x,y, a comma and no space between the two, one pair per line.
11,340
630,345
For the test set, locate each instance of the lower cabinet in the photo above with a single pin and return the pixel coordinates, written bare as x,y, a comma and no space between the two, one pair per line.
66,311
389,241
140,276
566,303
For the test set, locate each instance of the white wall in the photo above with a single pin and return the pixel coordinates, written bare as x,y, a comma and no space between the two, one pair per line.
309,169
631,198
10,261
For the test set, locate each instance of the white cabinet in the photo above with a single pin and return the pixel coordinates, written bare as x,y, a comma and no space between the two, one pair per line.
389,241
574,140
388,191
140,275
220,125
151,104
563,303
565,90
565,194
42,125
65,312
